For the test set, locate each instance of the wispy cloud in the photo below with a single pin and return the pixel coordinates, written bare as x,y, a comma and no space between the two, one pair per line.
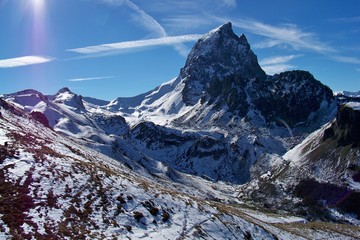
288,34
186,22
357,69
278,68
88,79
140,16
278,59
171,7
149,22
346,59
278,64
291,35
170,10
229,3
346,20
269,43
24,61
114,47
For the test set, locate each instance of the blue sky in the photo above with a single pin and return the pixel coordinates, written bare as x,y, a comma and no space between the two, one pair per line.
117,48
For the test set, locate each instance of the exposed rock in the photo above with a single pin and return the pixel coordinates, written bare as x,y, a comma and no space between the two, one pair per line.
41,118
219,53
346,128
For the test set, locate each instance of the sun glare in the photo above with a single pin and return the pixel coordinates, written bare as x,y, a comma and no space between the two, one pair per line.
38,5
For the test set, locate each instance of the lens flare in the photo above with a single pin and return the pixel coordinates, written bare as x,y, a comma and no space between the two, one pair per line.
38,43
38,5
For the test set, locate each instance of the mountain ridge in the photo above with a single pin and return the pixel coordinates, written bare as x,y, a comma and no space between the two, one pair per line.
234,101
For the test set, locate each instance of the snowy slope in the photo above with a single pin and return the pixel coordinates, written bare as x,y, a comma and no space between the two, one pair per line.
318,178
52,187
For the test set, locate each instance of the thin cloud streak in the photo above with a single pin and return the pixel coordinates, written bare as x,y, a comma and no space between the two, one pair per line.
278,68
24,61
149,22
229,3
346,20
187,22
286,34
267,44
346,59
282,35
140,16
278,59
111,47
89,79
277,64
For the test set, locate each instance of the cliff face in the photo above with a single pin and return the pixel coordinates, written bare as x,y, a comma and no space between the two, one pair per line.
218,54
346,129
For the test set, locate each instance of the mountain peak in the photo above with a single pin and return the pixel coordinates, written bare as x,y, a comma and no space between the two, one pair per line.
225,29
64,90
218,54
244,40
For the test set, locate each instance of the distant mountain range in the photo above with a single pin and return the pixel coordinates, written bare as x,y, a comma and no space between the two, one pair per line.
223,151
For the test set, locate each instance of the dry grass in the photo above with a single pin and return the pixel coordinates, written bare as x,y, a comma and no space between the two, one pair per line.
305,229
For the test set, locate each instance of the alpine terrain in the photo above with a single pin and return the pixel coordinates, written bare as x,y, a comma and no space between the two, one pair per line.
223,151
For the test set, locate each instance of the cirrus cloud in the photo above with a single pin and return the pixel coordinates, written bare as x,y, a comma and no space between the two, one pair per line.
114,47
24,61
277,64
89,79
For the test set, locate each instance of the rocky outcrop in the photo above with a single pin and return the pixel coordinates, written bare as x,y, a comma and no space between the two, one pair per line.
222,70
41,118
292,97
346,129
219,53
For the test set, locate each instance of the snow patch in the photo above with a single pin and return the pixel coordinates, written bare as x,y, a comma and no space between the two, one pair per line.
354,105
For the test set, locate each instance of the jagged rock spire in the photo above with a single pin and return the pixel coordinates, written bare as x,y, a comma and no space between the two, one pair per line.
218,53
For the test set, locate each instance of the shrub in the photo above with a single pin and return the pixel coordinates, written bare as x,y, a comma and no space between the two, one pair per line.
154,211
128,227
121,199
138,215
165,216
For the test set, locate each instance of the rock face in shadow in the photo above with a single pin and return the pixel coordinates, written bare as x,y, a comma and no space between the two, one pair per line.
222,70
41,118
319,195
346,128
294,96
217,54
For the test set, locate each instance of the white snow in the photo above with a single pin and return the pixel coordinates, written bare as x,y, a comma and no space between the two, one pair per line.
3,137
297,153
274,218
354,185
354,105
348,94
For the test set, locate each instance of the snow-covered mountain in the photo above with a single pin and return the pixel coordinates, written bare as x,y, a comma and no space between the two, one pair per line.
53,186
321,172
180,159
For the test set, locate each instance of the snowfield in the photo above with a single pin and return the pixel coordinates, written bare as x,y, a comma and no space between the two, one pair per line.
62,190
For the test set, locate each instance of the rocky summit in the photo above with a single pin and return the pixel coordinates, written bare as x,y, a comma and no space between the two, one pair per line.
222,151
218,54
